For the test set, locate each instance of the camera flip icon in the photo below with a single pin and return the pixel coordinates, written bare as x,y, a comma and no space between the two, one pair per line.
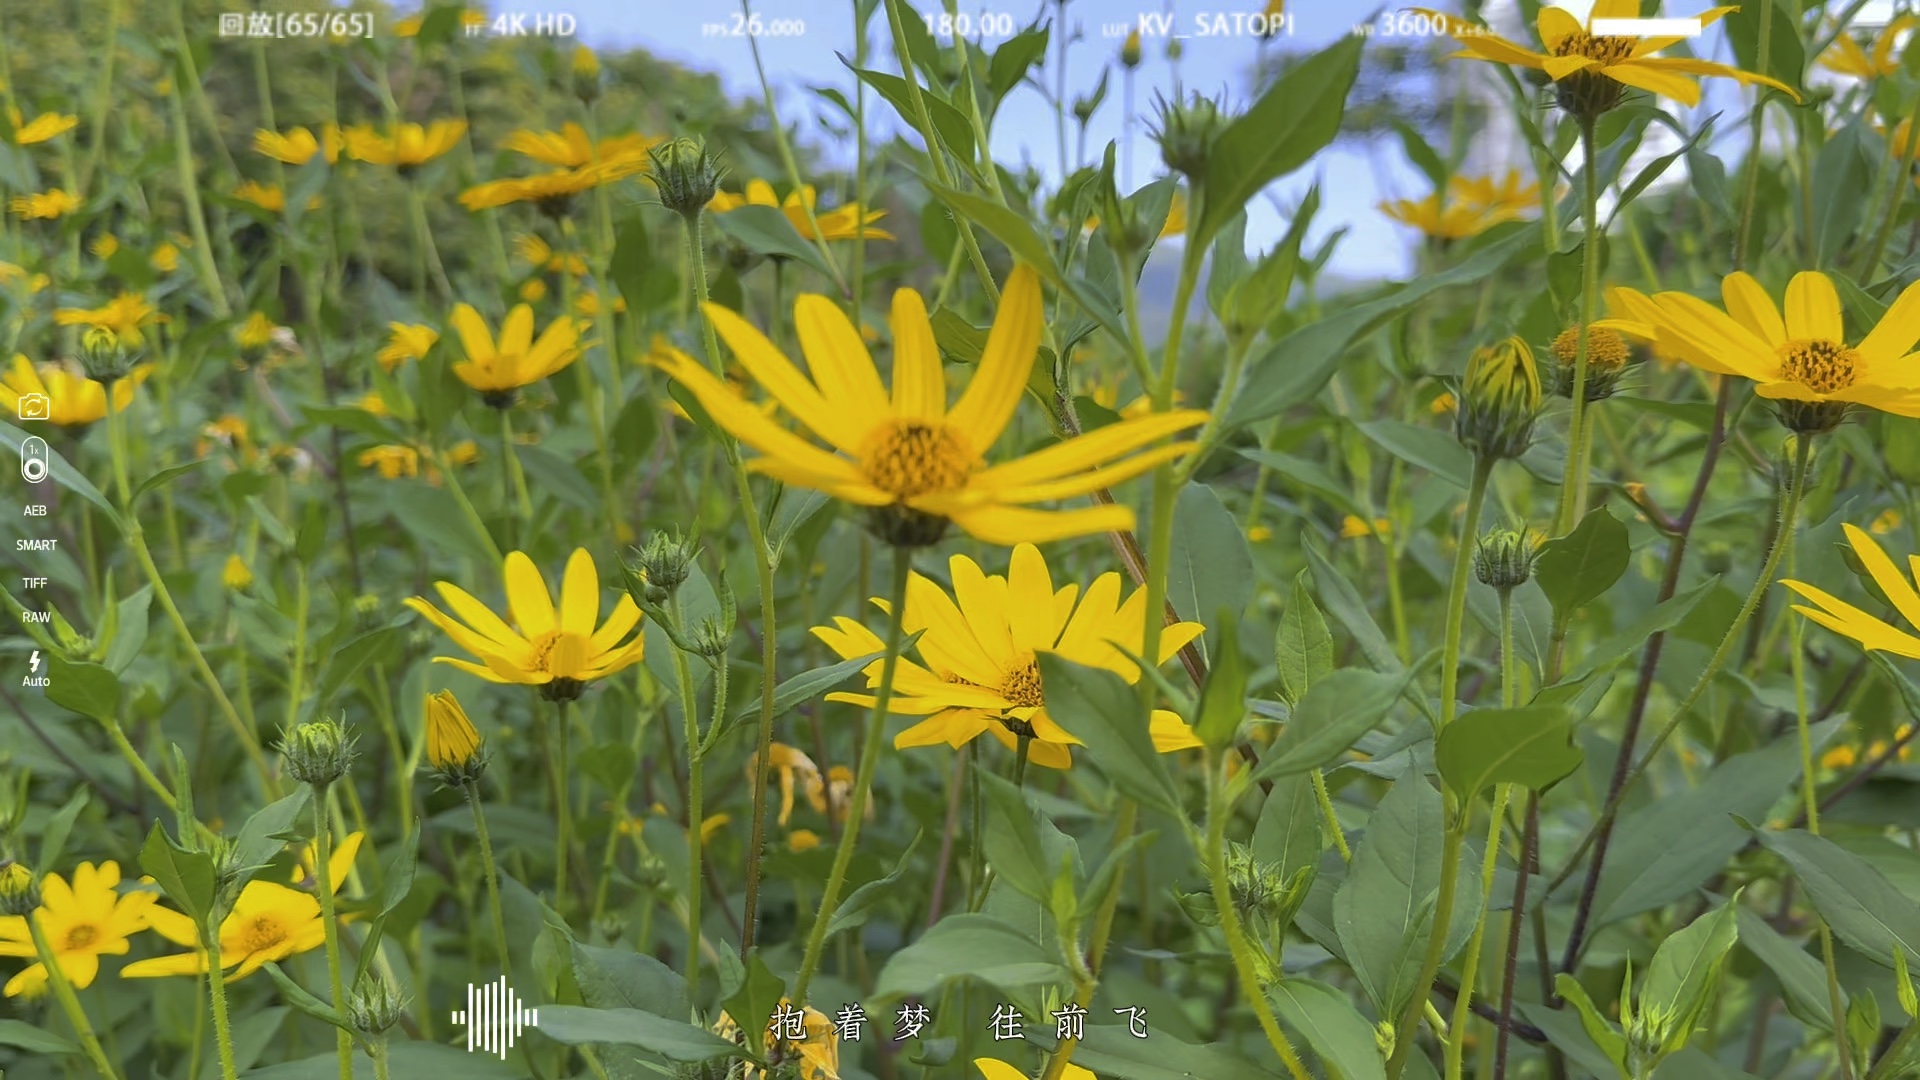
34,407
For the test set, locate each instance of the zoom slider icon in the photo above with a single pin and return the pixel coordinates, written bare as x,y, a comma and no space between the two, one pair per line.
494,1018
35,459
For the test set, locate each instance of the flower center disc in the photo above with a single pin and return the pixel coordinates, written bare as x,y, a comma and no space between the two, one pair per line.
1023,687
1606,48
1824,367
79,937
1606,350
906,458
262,932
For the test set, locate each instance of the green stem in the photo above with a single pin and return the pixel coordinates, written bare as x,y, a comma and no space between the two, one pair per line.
1463,1005
1573,487
69,1001
690,720
459,493
136,539
1407,1030
1457,592
1326,811
1884,1068
377,1049
1160,539
516,477
217,989
196,221
1252,986
429,250
323,876
492,873
863,783
1097,943
790,163
1750,198
297,668
563,802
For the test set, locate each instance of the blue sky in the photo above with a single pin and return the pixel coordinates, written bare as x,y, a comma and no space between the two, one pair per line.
1353,182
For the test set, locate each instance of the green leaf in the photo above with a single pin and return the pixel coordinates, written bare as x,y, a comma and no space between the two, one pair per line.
185,876
404,1057
861,903
1786,55
346,661
805,686
1435,451
1013,838
1211,569
21,1034
1100,709
1335,1029
1331,717
1303,647
268,830
1260,298
1223,696
1420,153
758,996
949,124
53,838
1296,367
59,471
1862,907
1664,850
1684,973
1383,912
1026,245
624,979
1615,647
1531,746
349,418
1800,973
1112,1054
1603,1034
1291,832
675,1040
969,945
765,230
1843,176
166,476
1575,569
1294,119
646,282
306,1002
1011,61
1340,600
86,688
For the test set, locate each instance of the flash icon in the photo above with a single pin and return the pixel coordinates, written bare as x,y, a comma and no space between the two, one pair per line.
33,665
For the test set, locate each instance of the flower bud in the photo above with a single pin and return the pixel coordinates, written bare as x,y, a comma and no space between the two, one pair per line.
685,174
711,638
659,568
585,71
104,357
236,575
1499,400
19,892
374,1005
1504,559
318,752
1130,49
253,337
1607,358
1187,133
455,749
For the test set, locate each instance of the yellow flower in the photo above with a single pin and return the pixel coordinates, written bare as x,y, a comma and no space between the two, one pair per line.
800,840
452,741
816,1057
166,258
1887,521
1840,757
1259,534
552,192
533,290
843,223
236,575
1176,224
995,1069
554,648
41,128
908,452
407,145
104,246
585,64
1353,527
587,304
81,921
73,399
1471,206
1589,71
392,462
536,252
464,452
125,315
373,403
572,148
406,341
1802,359
979,649
298,145
47,204
1848,58
256,332
1872,632
1130,49
1443,404
269,922
792,765
516,360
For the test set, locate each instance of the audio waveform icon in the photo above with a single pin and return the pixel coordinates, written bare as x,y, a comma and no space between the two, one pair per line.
494,1018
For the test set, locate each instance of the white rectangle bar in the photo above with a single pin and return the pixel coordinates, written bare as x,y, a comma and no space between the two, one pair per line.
1689,27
